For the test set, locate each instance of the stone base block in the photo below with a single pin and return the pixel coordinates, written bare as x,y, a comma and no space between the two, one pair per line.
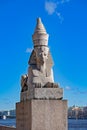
48,93
42,93
42,115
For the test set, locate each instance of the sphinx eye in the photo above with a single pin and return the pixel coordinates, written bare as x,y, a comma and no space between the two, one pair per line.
44,54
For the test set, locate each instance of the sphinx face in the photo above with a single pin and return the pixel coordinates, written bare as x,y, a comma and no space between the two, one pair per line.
41,54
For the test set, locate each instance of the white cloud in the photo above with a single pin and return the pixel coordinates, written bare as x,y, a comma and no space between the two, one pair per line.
50,7
75,90
60,17
64,1
67,88
29,50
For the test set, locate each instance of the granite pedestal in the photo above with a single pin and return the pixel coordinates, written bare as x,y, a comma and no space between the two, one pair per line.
41,115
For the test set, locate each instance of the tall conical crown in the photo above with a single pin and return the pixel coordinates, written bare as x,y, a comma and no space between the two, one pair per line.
40,36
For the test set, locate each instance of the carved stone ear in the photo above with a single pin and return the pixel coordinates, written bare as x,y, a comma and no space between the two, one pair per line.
32,60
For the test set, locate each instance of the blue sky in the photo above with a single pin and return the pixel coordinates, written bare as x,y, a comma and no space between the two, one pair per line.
66,23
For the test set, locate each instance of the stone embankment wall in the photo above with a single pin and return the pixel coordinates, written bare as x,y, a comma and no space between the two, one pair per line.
7,128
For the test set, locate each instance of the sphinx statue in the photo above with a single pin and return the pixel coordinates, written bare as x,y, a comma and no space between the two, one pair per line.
40,73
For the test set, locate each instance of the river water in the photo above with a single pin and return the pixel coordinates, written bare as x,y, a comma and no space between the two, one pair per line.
72,124
77,124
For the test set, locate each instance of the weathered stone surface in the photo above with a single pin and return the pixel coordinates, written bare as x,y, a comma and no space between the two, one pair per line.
40,36
42,115
23,115
23,96
48,93
42,93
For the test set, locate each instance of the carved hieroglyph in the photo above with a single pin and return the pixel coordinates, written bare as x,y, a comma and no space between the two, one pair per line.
40,73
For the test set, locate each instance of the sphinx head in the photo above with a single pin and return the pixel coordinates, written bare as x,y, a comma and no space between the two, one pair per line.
41,54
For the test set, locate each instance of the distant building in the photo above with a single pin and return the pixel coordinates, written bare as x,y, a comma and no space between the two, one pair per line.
8,114
77,112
